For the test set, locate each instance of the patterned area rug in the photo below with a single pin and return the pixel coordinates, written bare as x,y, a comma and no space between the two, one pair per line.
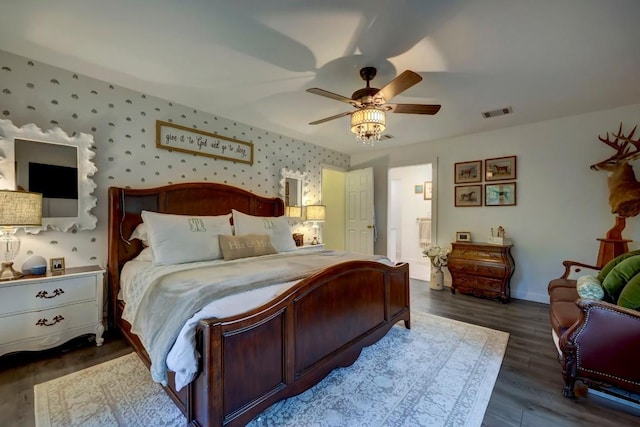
439,373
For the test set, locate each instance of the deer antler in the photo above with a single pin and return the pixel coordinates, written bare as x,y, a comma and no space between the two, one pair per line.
629,140
624,151
624,188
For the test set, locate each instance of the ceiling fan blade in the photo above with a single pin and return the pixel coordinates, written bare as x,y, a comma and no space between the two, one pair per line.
401,83
331,95
337,116
414,108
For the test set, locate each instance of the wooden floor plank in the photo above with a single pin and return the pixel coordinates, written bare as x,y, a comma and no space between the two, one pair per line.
527,391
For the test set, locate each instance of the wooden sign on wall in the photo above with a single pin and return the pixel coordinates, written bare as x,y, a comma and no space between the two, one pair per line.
174,137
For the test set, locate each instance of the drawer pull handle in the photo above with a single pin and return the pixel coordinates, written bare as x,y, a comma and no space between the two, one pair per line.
45,322
45,294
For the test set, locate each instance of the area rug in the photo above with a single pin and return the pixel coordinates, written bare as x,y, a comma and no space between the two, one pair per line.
441,372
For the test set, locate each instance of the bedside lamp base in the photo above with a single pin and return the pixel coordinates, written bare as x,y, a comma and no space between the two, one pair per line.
8,273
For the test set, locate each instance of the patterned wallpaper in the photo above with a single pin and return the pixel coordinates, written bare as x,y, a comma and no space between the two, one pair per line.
122,122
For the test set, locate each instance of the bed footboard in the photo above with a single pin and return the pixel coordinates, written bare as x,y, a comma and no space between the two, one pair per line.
276,351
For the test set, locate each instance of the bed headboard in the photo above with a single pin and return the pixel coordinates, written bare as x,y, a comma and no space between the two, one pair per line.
199,198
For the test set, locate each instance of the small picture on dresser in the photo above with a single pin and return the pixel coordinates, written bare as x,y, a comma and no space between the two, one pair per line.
463,236
57,265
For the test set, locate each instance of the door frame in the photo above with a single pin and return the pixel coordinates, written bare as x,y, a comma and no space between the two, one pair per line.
434,197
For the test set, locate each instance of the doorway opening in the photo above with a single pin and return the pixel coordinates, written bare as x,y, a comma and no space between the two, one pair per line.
410,219
333,197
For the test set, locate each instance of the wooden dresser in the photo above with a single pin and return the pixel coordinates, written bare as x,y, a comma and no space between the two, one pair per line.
481,269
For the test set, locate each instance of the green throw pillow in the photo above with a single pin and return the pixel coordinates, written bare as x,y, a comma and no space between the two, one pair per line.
617,260
589,287
630,295
619,276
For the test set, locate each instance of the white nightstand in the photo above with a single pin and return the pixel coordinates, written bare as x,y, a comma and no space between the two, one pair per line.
40,312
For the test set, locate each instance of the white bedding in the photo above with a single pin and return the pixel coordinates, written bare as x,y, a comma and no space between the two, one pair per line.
183,358
140,278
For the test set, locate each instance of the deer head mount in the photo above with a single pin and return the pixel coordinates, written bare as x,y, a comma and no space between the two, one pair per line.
624,188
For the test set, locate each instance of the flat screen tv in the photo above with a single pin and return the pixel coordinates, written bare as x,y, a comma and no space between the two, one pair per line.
53,181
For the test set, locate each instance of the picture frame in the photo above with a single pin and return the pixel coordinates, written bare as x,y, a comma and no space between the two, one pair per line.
463,236
428,190
503,194
500,168
468,195
465,172
173,137
56,265
418,189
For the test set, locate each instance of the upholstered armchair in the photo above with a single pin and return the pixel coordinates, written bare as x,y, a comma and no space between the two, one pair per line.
598,341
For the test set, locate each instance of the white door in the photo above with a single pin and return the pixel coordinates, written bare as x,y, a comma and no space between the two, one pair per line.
360,225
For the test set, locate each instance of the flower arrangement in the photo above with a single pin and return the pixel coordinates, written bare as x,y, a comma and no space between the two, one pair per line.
437,255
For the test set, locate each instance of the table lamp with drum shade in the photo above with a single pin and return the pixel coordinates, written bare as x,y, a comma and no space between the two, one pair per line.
17,209
315,214
293,211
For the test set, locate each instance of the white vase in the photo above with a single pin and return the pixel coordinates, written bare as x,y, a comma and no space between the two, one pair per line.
437,279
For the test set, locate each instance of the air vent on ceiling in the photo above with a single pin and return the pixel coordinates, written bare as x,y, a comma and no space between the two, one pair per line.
498,112
386,136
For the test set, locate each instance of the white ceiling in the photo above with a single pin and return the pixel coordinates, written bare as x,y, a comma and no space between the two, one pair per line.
251,60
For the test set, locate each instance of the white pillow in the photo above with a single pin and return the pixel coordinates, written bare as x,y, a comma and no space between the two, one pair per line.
140,232
176,239
144,255
276,227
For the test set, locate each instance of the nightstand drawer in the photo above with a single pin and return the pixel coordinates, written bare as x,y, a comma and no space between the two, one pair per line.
42,295
47,322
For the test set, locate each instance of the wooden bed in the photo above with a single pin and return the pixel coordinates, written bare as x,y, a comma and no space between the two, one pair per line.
250,361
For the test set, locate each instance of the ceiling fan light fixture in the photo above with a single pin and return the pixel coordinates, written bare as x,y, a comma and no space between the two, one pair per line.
368,124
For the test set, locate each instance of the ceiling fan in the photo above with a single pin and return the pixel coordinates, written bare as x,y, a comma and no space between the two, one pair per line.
368,121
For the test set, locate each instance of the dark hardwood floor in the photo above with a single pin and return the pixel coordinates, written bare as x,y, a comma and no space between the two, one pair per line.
527,391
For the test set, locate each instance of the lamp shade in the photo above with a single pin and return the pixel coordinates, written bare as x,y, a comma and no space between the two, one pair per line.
293,211
316,213
368,124
20,209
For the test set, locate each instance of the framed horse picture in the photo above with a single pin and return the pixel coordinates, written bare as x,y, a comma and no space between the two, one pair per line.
502,194
468,172
468,195
500,168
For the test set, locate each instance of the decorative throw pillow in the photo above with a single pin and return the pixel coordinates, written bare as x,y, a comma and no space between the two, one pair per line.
586,279
277,228
617,260
247,245
618,277
630,295
589,287
176,239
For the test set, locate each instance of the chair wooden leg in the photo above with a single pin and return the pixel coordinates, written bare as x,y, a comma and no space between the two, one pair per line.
568,389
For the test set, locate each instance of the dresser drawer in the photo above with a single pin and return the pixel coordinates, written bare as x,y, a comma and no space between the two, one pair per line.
489,254
46,294
47,322
468,281
470,267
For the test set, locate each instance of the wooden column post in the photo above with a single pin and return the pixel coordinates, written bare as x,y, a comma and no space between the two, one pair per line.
613,244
